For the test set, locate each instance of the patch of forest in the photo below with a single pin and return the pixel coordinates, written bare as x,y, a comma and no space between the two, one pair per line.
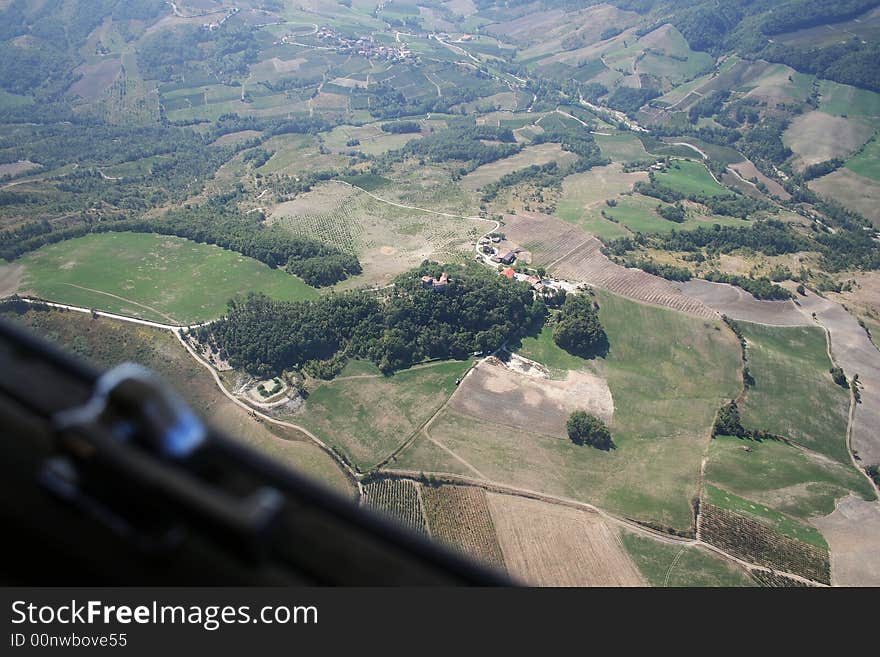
476,311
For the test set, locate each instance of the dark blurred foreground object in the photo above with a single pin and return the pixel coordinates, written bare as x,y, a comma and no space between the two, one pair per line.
109,478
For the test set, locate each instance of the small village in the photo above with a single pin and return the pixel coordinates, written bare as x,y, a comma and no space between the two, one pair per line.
365,46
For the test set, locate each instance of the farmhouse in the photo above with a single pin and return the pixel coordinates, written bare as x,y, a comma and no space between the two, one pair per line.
508,258
436,284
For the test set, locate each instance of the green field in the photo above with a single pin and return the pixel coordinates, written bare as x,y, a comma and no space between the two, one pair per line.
366,418
689,177
794,395
867,163
667,373
156,277
622,148
782,476
780,522
663,564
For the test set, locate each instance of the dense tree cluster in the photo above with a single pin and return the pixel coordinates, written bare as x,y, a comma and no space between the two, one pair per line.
401,127
587,429
770,237
760,288
477,311
578,329
464,142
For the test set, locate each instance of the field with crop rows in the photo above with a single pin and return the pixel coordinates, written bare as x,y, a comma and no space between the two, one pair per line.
574,255
754,541
459,516
399,499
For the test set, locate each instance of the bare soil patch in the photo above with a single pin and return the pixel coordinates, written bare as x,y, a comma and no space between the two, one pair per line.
497,394
16,168
530,155
749,171
551,545
10,279
853,534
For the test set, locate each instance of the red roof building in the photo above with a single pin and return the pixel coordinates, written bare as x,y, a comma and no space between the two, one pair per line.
508,272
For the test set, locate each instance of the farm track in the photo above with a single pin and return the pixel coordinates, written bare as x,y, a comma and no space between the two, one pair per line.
453,479
620,521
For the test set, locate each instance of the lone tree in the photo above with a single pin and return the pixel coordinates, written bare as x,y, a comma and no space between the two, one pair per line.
586,429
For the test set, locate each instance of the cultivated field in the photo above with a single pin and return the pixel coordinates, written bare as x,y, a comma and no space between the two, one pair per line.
754,540
399,499
856,354
853,532
459,517
815,137
156,277
572,254
496,394
855,192
552,545
688,177
796,482
794,395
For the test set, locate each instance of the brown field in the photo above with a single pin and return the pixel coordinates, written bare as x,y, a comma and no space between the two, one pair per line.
530,155
736,303
816,137
856,192
496,394
10,279
95,78
459,517
574,255
748,170
853,534
552,545
461,7
16,168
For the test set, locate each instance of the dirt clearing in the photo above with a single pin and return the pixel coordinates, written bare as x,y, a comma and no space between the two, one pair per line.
853,534
494,393
552,545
